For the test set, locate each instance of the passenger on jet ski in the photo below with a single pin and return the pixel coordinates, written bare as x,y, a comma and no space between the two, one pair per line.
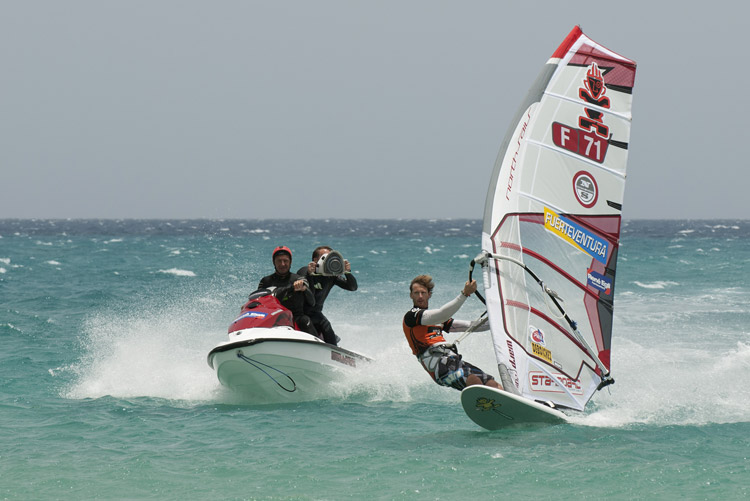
327,268
290,289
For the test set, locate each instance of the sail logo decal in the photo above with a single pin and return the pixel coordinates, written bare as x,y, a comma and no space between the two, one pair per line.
514,161
512,360
580,142
576,235
585,189
541,382
592,92
599,281
591,139
538,344
541,352
536,335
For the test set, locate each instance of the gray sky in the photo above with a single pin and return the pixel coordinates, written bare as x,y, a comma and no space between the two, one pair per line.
344,109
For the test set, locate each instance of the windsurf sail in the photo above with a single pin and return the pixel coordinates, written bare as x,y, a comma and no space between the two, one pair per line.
552,223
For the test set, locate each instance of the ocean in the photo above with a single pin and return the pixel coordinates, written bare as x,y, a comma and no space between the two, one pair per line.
106,393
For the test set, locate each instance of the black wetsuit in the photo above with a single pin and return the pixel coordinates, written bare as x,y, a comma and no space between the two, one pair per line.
294,301
321,286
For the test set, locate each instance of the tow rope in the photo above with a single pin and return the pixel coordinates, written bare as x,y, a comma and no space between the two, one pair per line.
257,365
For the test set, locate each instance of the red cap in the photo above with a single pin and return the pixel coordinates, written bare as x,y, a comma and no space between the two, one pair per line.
281,248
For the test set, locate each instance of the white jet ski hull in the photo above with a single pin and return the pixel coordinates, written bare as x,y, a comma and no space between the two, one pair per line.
280,364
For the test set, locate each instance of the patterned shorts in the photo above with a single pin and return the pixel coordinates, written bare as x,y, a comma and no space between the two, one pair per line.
448,369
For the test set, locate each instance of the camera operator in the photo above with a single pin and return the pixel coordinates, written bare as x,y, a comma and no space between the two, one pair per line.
321,282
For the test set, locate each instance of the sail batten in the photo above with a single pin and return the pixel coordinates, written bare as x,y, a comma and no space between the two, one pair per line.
624,116
552,225
593,164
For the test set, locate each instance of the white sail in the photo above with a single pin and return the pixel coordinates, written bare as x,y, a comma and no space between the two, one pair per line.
553,214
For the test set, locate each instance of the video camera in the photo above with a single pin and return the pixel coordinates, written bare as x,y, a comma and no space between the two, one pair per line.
330,265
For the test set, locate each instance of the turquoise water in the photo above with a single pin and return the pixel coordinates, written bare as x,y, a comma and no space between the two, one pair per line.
105,327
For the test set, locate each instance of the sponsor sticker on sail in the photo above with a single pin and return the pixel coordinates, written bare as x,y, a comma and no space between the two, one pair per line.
599,281
538,344
591,138
543,383
576,235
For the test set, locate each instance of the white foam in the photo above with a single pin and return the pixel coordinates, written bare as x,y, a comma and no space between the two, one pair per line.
674,385
151,351
177,272
673,364
659,284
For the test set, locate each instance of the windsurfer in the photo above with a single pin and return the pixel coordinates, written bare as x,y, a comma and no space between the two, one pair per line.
424,331
290,289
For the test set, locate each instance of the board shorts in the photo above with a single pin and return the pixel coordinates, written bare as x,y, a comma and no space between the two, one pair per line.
446,366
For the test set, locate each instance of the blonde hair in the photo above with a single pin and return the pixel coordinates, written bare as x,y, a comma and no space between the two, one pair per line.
423,280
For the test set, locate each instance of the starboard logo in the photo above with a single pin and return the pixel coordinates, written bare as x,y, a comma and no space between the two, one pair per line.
590,140
543,383
592,92
585,189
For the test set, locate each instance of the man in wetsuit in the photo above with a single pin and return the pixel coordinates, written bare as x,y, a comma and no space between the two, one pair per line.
321,286
424,331
290,289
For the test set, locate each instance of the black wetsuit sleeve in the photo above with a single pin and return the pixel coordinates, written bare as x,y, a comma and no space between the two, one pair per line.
309,297
264,283
308,293
413,317
347,281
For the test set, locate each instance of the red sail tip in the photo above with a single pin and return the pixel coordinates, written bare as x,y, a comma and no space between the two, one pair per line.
574,34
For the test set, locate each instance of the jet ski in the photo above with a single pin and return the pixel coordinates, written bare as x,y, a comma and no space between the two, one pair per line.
268,360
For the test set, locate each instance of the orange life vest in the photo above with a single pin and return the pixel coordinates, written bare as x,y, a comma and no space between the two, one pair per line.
421,337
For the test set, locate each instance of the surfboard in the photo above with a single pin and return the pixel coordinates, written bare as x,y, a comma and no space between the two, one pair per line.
494,409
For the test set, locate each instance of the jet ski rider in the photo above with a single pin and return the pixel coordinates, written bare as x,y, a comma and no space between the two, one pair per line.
290,289
424,331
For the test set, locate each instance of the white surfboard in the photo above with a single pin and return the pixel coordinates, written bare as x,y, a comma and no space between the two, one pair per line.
494,409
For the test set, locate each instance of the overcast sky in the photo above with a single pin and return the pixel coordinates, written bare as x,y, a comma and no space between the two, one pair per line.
344,109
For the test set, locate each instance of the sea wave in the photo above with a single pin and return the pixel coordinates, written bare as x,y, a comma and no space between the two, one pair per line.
659,284
178,273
